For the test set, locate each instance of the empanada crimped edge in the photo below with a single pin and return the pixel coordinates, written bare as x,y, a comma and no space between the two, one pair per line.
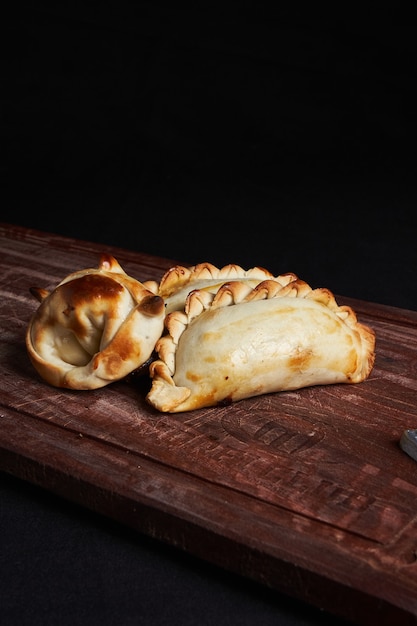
242,342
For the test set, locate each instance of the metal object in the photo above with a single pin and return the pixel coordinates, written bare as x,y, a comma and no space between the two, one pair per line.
408,442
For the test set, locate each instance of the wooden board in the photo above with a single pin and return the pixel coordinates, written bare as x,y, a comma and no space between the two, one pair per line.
307,492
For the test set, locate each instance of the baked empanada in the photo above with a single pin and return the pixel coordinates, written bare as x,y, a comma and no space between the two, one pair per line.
178,281
242,341
95,327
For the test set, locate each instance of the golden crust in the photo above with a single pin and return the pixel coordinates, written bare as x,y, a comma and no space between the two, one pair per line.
220,334
178,281
95,327
243,341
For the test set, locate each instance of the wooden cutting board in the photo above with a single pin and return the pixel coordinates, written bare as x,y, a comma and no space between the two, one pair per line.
307,492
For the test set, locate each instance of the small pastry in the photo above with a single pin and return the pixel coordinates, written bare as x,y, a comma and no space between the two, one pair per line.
178,281
95,327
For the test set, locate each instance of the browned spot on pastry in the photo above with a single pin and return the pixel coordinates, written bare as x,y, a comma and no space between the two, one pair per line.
113,364
193,377
90,287
151,306
300,359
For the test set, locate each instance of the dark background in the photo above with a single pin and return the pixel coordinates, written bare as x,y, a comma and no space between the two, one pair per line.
276,137
261,136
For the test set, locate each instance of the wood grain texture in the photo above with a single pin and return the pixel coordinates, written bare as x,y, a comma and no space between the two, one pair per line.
307,492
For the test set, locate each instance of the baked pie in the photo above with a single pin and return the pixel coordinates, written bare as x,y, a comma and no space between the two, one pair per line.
244,341
95,327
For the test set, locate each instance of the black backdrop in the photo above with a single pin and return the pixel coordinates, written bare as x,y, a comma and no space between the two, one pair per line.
277,137
282,138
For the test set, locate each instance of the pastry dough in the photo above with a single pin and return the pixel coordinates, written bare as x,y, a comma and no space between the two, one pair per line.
243,341
178,281
206,335
95,327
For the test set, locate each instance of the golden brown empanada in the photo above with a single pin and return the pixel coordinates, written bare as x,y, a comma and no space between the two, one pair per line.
95,327
242,341
178,281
